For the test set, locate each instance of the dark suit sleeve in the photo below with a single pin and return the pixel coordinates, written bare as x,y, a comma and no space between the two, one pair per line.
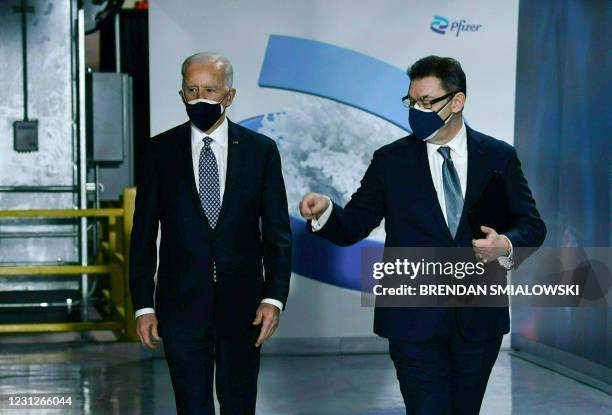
143,248
527,229
276,230
363,213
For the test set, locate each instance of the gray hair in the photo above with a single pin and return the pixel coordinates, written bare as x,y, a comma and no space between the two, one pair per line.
214,58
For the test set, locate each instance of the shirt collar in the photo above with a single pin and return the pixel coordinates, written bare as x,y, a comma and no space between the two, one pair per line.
219,135
458,144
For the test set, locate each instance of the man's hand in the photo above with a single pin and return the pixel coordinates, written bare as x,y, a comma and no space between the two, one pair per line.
491,247
146,327
267,316
313,205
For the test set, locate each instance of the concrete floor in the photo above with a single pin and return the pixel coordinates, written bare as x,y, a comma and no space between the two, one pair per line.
122,378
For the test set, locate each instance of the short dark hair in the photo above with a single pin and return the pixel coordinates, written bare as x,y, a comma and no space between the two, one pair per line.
447,70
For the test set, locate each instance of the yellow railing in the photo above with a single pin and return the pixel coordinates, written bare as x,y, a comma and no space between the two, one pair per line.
112,262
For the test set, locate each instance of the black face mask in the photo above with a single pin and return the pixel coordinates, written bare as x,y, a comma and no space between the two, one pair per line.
204,113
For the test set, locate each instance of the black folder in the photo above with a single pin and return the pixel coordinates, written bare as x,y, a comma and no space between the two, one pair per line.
491,208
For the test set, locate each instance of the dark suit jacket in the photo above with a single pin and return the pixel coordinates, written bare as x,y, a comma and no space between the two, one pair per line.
398,187
252,235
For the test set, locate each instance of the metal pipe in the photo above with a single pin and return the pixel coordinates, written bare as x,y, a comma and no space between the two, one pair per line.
97,185
74,68
82,161
96,222
91,187
38,189
17,235
24,57
117,42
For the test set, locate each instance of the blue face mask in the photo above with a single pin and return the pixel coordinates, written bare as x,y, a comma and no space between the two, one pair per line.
425,123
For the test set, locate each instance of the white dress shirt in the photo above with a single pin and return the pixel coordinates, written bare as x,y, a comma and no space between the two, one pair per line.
459,155
219,147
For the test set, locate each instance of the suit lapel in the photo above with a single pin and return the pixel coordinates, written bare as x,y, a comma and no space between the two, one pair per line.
476,178
422,165
186,162
234,163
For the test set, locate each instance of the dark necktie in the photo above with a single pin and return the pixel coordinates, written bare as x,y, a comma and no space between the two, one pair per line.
452,191
209,193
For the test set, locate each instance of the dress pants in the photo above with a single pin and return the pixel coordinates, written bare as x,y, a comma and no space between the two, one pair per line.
192,370
220,355
446,374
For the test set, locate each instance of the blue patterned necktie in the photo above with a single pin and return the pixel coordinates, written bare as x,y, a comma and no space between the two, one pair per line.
452,191
210,196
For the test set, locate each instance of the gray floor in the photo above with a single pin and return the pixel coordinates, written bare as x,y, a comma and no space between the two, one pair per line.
121,378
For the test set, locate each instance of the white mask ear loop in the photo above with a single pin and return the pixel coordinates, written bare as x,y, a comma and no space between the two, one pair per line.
451,114
445,121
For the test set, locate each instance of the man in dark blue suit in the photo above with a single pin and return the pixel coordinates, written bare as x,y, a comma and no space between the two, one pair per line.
218,193
423,186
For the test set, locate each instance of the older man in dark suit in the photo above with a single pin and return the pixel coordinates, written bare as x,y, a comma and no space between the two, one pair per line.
218,192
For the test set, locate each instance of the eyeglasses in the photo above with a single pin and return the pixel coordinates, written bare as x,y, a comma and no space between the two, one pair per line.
410,103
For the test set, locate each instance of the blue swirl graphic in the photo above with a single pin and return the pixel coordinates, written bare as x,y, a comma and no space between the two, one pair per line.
344,76
439,24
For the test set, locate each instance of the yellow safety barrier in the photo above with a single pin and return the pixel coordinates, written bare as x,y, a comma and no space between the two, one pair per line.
113,262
